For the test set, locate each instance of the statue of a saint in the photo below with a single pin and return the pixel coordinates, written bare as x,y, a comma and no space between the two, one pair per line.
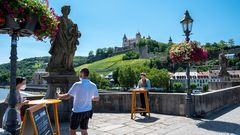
63,47
223,64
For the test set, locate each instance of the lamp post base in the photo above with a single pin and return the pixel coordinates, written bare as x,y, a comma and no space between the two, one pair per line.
189,111
12,121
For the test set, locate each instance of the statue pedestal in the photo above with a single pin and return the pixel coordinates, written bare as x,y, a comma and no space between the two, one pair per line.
221,85
64,82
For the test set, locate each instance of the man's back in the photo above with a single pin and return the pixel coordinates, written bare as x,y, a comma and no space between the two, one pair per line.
83,93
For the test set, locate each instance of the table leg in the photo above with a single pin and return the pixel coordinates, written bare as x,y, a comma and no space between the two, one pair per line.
55,109
132,105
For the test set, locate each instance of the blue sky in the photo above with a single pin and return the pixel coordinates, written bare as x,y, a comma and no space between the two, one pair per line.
103,23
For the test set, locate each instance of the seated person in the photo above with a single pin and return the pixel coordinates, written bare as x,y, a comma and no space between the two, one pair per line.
20,85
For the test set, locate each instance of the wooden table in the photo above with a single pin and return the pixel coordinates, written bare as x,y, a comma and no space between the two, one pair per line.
55,109
134,103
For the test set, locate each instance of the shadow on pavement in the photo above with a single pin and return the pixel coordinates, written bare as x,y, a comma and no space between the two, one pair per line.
146,119
222,111
219,126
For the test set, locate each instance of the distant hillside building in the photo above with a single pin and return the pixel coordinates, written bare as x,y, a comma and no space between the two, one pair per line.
38,77
130,44
201,78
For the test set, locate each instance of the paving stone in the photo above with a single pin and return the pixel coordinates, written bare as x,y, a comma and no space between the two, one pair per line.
120,124
111,127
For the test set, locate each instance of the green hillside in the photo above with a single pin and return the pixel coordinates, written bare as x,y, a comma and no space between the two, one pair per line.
110,64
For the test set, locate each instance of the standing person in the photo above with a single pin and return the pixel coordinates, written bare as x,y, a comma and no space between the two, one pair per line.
145,84
20,85
83,93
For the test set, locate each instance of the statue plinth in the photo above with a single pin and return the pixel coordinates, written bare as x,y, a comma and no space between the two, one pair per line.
64,82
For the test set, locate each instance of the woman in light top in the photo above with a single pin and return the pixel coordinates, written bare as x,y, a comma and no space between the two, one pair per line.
144,83
20,85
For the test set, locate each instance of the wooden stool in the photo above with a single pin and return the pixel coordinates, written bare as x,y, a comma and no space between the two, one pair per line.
134,103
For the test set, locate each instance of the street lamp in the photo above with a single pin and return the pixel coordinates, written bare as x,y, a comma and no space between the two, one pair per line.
11,119
187,22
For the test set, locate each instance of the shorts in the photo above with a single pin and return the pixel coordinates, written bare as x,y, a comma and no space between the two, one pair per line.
80,119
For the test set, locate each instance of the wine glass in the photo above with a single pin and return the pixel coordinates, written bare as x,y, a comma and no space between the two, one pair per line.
58,90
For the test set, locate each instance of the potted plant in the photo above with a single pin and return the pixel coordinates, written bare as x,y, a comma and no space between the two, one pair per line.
30,17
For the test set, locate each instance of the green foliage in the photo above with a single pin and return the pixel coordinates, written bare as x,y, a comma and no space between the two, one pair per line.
153,45
130,75
116,75
130,55
178,87
99,81
193,86
79,60
205,88
238,65
180,69
108,65
233,62
159,78
101,53
159,64
127,77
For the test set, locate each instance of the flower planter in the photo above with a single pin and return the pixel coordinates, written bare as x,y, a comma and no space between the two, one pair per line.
11,23
2,21
30,26
2,25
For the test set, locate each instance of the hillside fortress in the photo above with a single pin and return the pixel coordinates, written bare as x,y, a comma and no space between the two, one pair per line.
130,44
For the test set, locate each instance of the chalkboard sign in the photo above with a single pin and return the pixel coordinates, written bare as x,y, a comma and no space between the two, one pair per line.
36,121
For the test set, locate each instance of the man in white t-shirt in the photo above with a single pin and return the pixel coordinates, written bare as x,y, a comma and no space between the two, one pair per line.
83,93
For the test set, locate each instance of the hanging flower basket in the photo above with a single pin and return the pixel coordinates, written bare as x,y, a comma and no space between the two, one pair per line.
29,27
2,21
189,52
32,16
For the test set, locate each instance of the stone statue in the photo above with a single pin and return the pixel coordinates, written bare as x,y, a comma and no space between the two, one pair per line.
63,47
223,64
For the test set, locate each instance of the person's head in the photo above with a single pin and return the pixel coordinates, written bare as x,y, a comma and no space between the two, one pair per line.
143,76
66,10
84,73
20,83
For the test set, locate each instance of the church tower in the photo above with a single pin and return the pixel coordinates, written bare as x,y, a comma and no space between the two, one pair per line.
124,42
170,40
138,36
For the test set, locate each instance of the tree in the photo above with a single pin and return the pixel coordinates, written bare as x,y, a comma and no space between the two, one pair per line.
238,65
91,56
231,42
178,87
131,55
193,86
159,78
180,69
99,81
205,87
116,76
127,77
110,51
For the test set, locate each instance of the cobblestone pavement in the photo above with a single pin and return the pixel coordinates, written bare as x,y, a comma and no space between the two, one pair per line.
224,122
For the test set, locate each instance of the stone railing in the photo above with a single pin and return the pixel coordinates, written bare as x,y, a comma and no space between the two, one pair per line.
208,102
164,103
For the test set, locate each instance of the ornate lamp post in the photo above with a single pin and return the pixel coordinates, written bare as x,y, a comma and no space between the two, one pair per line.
12,121
187,22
